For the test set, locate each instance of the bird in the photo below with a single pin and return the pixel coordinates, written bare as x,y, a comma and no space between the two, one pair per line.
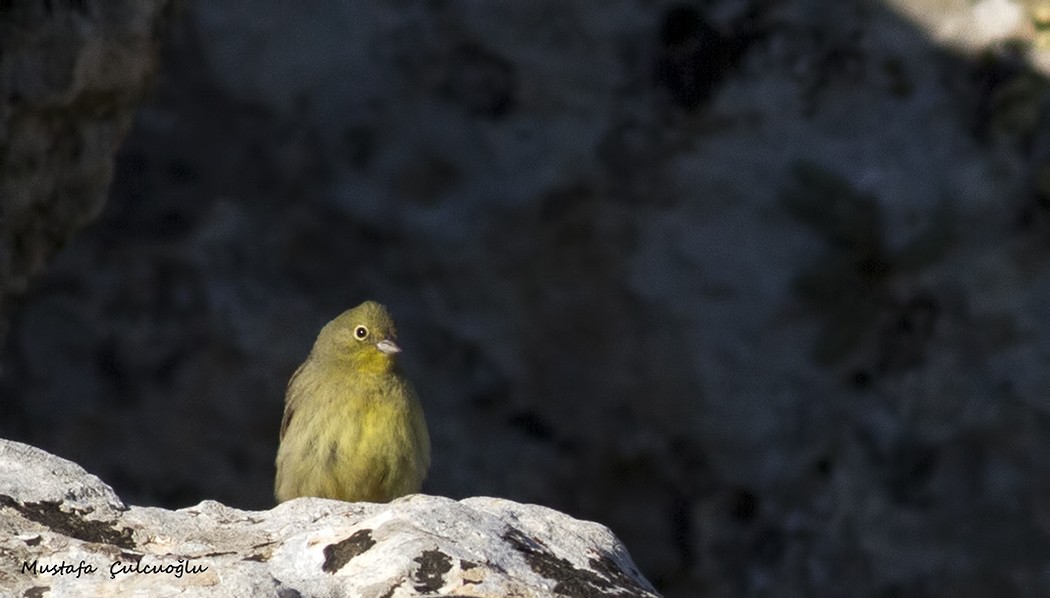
353,427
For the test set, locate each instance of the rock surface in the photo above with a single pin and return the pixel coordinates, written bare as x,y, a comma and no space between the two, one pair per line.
84,541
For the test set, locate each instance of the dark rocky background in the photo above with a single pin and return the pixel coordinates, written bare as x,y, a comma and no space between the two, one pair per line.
760,285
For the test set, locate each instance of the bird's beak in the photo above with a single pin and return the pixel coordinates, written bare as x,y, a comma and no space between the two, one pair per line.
388,347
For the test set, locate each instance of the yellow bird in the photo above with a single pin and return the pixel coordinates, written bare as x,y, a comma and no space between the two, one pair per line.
353,428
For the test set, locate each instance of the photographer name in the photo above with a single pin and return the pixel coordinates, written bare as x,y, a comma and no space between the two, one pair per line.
177,569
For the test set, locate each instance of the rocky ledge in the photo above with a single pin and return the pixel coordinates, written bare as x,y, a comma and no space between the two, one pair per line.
65,532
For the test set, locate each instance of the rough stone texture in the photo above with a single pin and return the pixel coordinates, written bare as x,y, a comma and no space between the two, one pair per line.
71,75
760,285
52,512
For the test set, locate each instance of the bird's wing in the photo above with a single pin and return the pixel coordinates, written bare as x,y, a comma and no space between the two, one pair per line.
291,398
419,429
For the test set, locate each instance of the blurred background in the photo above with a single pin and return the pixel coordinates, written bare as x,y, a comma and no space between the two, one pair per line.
761,285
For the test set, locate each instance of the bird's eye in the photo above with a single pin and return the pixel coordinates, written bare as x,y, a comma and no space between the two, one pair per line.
361,333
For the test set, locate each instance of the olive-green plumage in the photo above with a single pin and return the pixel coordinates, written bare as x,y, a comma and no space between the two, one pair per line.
353,427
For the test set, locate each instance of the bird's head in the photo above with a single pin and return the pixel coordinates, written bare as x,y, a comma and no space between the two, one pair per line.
365,336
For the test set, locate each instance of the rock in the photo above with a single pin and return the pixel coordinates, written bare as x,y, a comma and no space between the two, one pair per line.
71,76
996,19
66,532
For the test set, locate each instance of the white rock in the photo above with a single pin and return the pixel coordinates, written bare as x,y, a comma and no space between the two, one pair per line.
83,541
996,19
